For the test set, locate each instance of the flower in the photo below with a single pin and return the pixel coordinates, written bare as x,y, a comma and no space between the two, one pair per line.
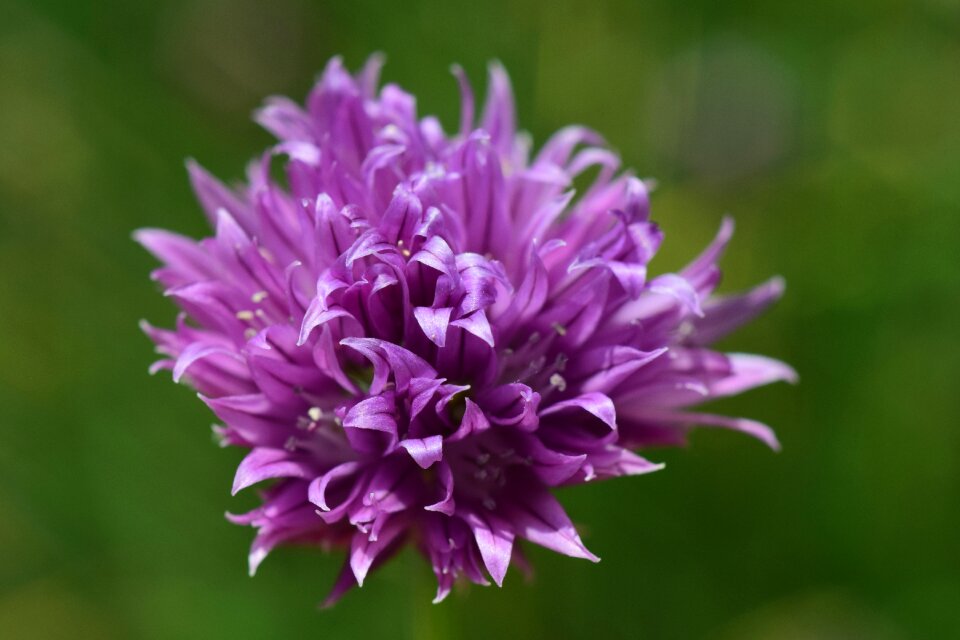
419,335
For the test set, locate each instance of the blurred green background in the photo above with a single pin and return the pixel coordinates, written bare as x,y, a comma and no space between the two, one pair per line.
831,130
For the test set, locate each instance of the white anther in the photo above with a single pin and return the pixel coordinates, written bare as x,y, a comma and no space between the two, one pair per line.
556,380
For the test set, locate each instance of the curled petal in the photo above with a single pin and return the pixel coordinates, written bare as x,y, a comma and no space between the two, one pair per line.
679,289
434,323
262,464
596,404
424,451
477,324
320,491
446,503
364,552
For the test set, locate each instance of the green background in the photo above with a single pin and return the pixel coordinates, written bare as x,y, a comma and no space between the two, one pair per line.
829,129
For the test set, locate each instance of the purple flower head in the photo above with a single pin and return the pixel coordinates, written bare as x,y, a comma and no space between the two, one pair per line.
420,335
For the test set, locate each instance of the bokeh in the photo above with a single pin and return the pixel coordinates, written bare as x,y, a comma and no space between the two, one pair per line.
831,130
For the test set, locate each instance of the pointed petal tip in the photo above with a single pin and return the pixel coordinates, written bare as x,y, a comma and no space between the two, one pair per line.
256,557
238,484
138,235
778,285
195,170
791,376
761,432
589,555
727,226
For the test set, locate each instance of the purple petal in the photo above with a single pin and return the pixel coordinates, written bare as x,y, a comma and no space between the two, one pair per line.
424,451
724,314
753,428
750,371
702,273
320,487
596,404
262,464
446,503
499,118
495,544
679,289
434,323
606,367
538,517
477,324
363,551
199,351
214,196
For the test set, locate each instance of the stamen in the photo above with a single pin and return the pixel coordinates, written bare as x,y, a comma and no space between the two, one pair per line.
537,365
245,315
219,435
559,328
258,297
556,380
561,362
